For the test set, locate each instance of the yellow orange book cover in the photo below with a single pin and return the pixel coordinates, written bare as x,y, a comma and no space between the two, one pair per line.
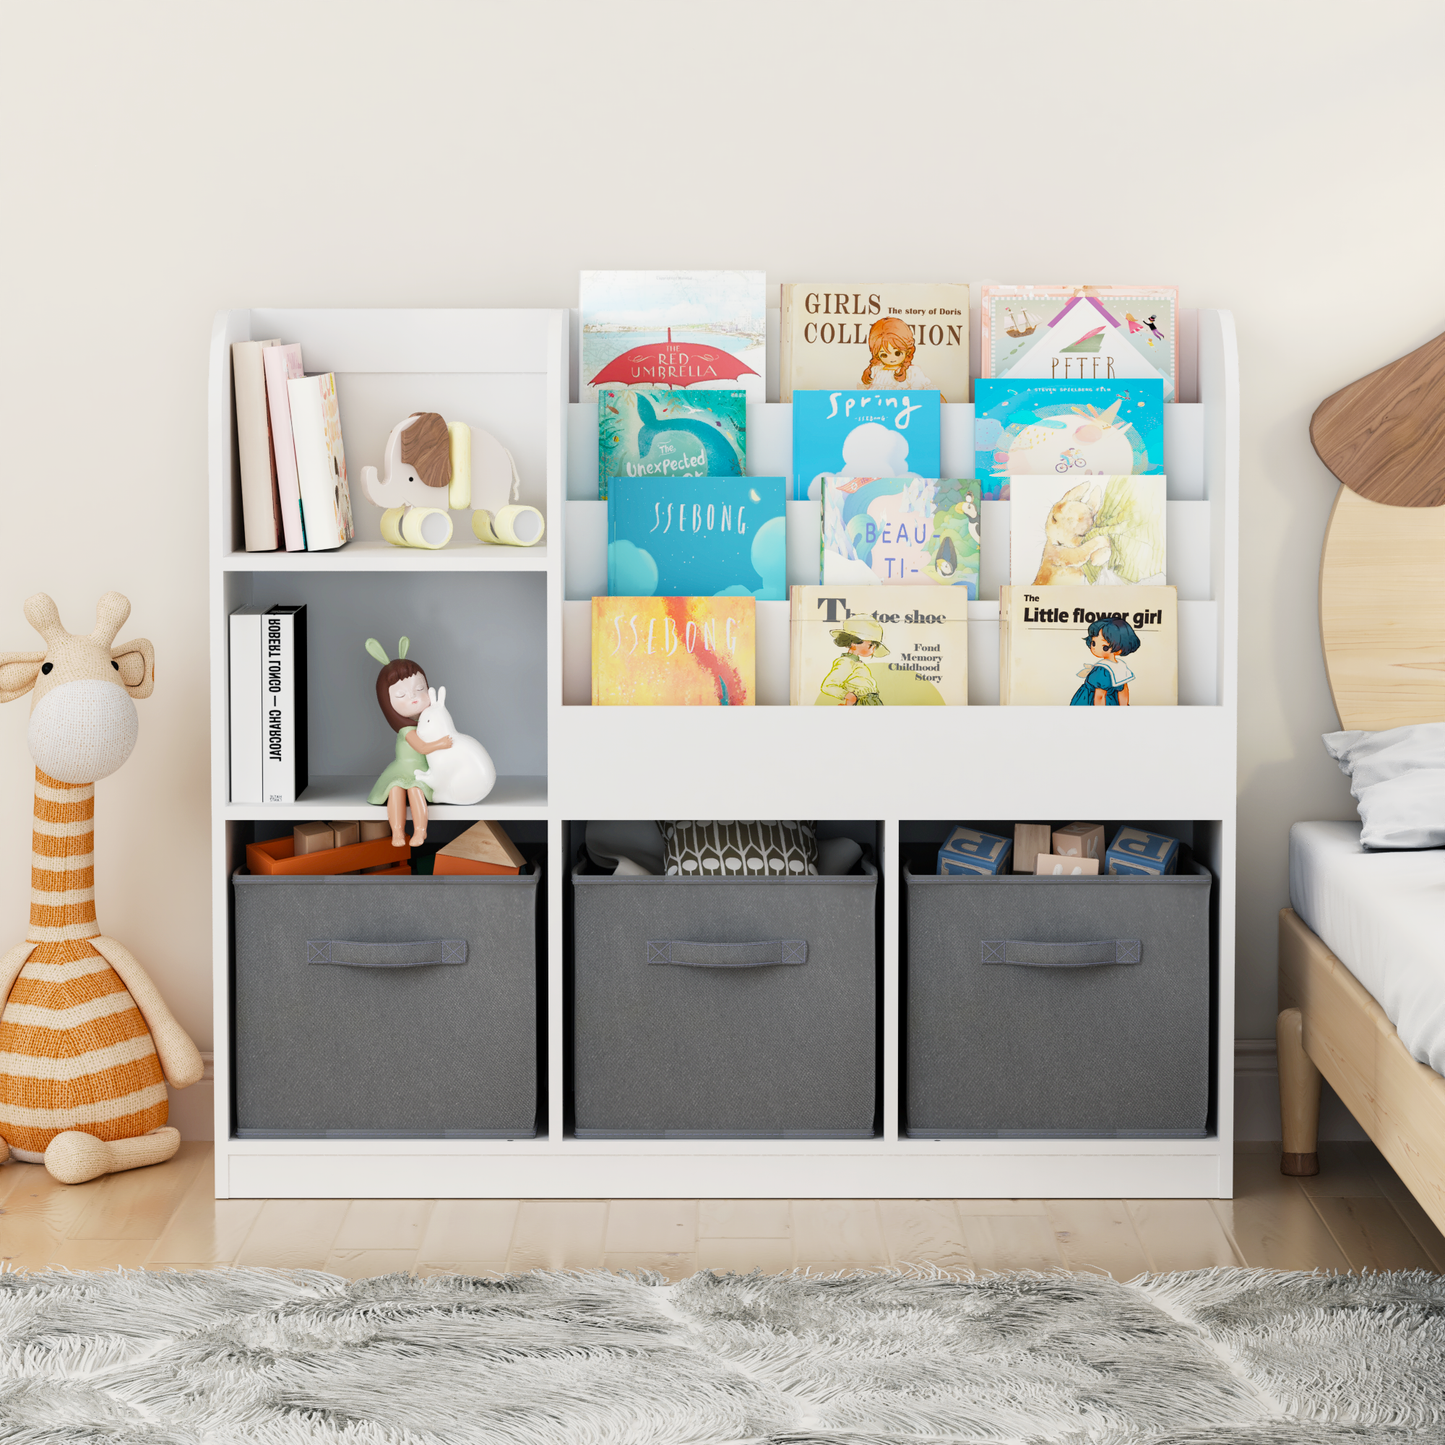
674,651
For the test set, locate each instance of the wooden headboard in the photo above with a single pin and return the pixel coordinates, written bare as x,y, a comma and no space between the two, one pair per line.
1382,612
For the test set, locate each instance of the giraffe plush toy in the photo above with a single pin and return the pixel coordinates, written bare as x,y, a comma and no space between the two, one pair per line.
86,1041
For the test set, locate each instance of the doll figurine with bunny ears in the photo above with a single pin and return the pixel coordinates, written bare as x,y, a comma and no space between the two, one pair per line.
401,693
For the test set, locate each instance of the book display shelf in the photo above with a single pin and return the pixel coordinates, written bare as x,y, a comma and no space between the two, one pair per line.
508,631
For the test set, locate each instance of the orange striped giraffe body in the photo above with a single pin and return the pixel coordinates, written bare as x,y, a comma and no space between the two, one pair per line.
75,1052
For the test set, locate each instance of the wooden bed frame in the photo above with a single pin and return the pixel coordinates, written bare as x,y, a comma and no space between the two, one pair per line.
1382,621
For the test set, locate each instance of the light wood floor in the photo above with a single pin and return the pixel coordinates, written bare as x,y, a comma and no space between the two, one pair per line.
1355,1215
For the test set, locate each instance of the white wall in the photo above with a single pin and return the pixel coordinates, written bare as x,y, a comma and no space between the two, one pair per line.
162,160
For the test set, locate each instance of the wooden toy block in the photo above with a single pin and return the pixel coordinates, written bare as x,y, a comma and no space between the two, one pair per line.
1053,865
347,831
1079,840
1030,839
482,843
373,830
312,838
278,856
968,851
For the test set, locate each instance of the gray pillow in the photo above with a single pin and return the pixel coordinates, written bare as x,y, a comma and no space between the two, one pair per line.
1398,779
727,848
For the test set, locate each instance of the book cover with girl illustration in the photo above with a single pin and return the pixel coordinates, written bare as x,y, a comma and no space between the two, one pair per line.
857,433
1081,333
884,336
878,647
1065,429
1078,647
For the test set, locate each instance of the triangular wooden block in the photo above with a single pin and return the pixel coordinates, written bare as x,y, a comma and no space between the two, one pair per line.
485,843
1383,436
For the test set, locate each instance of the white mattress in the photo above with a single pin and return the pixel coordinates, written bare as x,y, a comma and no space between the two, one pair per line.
1383,916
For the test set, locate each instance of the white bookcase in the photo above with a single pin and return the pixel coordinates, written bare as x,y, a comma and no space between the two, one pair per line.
508,631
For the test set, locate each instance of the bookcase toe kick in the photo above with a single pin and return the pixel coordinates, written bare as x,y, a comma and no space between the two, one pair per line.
507,631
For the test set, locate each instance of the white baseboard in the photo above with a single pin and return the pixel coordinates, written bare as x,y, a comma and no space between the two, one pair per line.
1256,1100
193,1110
1256,1097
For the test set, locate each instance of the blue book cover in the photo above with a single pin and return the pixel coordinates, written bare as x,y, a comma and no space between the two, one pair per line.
697,537
862,434
894,530
1068,428
700,433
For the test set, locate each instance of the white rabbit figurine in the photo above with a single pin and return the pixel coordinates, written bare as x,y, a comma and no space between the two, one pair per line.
462,773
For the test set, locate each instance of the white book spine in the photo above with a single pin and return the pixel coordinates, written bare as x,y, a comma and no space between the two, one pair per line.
247,705
314,473
260,517
278,664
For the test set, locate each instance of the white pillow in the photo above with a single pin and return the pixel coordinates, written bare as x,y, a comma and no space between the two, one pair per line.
1398,779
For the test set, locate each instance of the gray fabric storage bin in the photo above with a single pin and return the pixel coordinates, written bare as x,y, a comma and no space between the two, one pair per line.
1058,1006
376,1007
724,1007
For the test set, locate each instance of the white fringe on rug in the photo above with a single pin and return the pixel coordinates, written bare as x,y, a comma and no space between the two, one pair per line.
1216,1357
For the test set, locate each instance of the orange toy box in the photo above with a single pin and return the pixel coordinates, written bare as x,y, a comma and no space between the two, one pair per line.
278,855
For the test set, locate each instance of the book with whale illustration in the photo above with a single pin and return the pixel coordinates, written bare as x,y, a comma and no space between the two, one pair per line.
862,434
697,537
670,434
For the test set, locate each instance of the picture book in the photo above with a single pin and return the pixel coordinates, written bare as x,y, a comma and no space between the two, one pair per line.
901,530
283,364
878,647
674,651
320,462
670,434
862,434
1083,333
661,330
898,336
260,501
1065,428
1083,533
1074,646
697,537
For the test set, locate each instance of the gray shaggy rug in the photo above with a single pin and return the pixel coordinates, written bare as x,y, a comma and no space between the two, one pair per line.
1237,1357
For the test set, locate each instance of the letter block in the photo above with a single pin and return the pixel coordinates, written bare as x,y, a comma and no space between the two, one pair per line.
1079,840
1030,840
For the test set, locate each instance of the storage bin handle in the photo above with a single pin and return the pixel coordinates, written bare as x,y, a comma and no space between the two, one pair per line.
728,955
386,955
1061,955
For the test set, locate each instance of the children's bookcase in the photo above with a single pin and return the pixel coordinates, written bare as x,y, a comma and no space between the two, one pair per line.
508,630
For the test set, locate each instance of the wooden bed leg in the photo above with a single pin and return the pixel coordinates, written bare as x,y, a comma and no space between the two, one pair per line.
1299,1098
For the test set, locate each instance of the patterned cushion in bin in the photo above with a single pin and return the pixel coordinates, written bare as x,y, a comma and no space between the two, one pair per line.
729,849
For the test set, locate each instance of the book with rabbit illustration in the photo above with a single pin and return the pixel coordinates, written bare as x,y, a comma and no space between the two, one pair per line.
862,434
901,530
878,647
1065,429
670,434
697,536
1080,333
674,651
1065,646
1101,530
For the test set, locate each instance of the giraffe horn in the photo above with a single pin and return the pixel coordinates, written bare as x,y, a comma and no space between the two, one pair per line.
110,615
44,616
